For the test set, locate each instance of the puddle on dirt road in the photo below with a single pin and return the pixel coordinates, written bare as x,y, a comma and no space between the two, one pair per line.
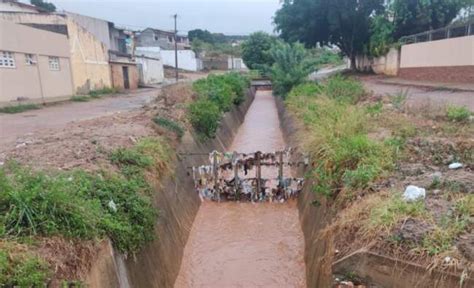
244,244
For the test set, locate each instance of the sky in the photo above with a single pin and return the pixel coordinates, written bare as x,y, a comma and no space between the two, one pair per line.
237,17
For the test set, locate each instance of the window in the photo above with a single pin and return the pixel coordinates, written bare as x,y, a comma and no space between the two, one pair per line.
30,59
6,59
156,37
170,38
54,63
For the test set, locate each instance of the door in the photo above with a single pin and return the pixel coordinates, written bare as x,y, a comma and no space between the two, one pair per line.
126,82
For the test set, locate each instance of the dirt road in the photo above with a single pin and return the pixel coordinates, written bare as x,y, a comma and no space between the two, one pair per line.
15,126
419,96
245,244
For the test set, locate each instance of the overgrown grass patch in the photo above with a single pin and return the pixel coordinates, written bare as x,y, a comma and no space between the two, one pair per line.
18,108
21,268
80,98
99,92
170,125
344,89
336,135
86,205
458,114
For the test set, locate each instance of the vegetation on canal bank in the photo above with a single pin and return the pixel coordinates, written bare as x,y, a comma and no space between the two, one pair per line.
215,95
368,149
78,205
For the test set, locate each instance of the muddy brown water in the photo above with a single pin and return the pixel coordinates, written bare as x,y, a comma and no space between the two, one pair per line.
244,244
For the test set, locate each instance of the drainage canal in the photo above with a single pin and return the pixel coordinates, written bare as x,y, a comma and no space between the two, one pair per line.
246,244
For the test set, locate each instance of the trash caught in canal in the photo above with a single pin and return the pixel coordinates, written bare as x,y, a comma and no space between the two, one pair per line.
246,244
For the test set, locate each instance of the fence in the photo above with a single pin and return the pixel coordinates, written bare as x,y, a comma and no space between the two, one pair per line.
453,31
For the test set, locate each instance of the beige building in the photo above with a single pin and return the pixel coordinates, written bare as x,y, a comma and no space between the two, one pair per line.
34,65
89,56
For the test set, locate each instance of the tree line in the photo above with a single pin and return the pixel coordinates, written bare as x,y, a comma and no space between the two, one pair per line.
363,26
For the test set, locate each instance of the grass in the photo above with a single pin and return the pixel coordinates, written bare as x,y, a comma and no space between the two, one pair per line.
389,212
336,135
458,114
20,268
170,125
80,98
399,99
98,93
85,205
94,94
18,108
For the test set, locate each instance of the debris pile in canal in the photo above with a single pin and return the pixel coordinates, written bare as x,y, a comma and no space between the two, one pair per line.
222,178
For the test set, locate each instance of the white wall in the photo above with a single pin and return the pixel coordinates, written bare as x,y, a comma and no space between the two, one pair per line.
186,58
151,71
439,53
238,64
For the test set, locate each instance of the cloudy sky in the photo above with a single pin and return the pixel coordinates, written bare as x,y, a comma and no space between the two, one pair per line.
226,16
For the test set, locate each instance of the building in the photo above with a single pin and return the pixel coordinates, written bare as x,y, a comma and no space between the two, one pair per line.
35,65
150,70
151,37
15,6
119,44
88,55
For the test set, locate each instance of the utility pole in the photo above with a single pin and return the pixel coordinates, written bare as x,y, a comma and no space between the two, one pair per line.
176,45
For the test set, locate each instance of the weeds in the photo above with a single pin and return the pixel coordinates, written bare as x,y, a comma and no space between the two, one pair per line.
80,98
399,99
86,205
386,214
375,109
458,114
21,268
98,93
170,125
336,135
344,89
18,108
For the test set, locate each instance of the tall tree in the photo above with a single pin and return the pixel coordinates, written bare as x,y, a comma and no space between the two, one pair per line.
291,67
415,16
256,50
48,6
344,23
202,35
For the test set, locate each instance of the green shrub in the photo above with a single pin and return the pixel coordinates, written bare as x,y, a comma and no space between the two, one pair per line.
99,92
458,114
22,269
204,115
18,108
215,89
170,125
35,203
344,89
86,205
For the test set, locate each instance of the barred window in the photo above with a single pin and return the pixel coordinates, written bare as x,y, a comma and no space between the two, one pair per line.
30,59
7,60
54,63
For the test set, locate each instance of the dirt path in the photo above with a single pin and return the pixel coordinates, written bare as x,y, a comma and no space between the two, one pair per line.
245,244
418,96
30,123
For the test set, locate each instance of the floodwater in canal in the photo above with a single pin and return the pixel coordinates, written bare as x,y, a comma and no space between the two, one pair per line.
245,244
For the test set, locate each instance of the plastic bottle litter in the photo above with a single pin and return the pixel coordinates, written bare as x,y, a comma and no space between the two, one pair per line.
413,193
455,165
